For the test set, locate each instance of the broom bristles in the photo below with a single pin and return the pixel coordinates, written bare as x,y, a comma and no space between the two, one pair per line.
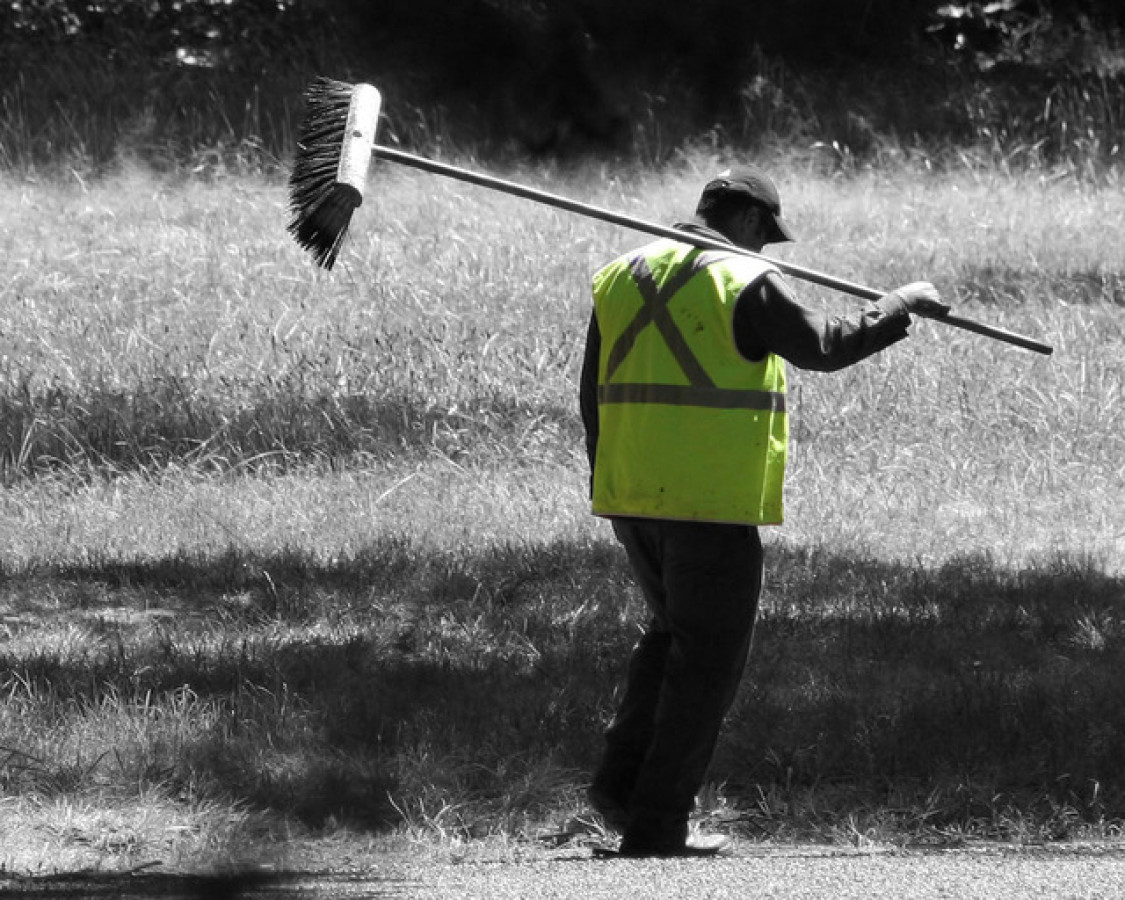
321,207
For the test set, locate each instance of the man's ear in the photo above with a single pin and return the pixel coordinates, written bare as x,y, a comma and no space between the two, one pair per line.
752,216
757,225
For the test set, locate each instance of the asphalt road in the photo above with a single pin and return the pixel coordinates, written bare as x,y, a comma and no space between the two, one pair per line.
793,873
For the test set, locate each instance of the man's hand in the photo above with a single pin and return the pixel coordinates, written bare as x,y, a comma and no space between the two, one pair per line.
922,299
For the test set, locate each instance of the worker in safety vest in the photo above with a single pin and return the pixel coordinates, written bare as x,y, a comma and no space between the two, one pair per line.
684,402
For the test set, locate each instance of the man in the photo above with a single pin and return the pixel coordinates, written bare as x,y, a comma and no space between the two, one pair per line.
683,399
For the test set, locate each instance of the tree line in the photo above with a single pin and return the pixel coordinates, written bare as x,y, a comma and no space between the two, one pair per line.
549,73
797,28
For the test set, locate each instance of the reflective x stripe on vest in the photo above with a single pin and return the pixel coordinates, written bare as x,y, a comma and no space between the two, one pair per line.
702,390
655,310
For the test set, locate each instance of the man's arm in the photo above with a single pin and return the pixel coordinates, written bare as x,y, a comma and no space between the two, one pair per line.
588,389
768,319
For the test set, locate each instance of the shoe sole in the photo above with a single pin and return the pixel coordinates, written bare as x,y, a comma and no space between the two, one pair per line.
684,853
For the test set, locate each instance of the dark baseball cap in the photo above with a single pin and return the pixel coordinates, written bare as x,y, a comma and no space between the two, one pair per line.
756,186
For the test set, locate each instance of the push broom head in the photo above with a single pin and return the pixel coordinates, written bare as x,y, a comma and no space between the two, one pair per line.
334,147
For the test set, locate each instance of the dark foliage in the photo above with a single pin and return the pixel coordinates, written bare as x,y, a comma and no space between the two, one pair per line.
80,81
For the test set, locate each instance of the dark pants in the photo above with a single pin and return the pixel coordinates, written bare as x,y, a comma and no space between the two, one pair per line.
702,583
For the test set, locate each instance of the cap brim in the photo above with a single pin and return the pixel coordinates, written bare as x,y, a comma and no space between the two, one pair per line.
781,231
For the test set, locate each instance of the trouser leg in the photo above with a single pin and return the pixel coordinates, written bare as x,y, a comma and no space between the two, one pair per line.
706,607
629,735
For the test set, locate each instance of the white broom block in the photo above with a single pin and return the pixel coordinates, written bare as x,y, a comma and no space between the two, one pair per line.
359,137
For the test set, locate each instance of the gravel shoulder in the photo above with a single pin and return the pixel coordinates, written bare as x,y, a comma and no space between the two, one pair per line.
988,872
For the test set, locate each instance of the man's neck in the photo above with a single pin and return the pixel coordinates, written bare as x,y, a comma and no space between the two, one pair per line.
700,228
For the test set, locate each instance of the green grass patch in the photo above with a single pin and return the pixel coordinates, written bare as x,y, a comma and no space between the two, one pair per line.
287,555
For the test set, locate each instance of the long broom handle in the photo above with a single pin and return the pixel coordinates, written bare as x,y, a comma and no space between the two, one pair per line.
605,215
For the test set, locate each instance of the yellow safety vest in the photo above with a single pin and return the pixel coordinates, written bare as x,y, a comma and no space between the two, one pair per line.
688,428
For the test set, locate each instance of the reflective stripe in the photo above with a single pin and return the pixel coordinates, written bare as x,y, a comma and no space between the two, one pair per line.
690,395
655,309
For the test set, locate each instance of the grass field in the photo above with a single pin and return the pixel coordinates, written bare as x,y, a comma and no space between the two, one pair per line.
290,557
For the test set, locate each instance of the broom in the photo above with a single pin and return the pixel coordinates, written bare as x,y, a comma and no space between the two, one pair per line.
330,169
334,147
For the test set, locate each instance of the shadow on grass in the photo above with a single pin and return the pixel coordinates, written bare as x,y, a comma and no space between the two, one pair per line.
466,691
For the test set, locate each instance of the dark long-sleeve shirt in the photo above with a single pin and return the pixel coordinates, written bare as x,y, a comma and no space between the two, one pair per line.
769,319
